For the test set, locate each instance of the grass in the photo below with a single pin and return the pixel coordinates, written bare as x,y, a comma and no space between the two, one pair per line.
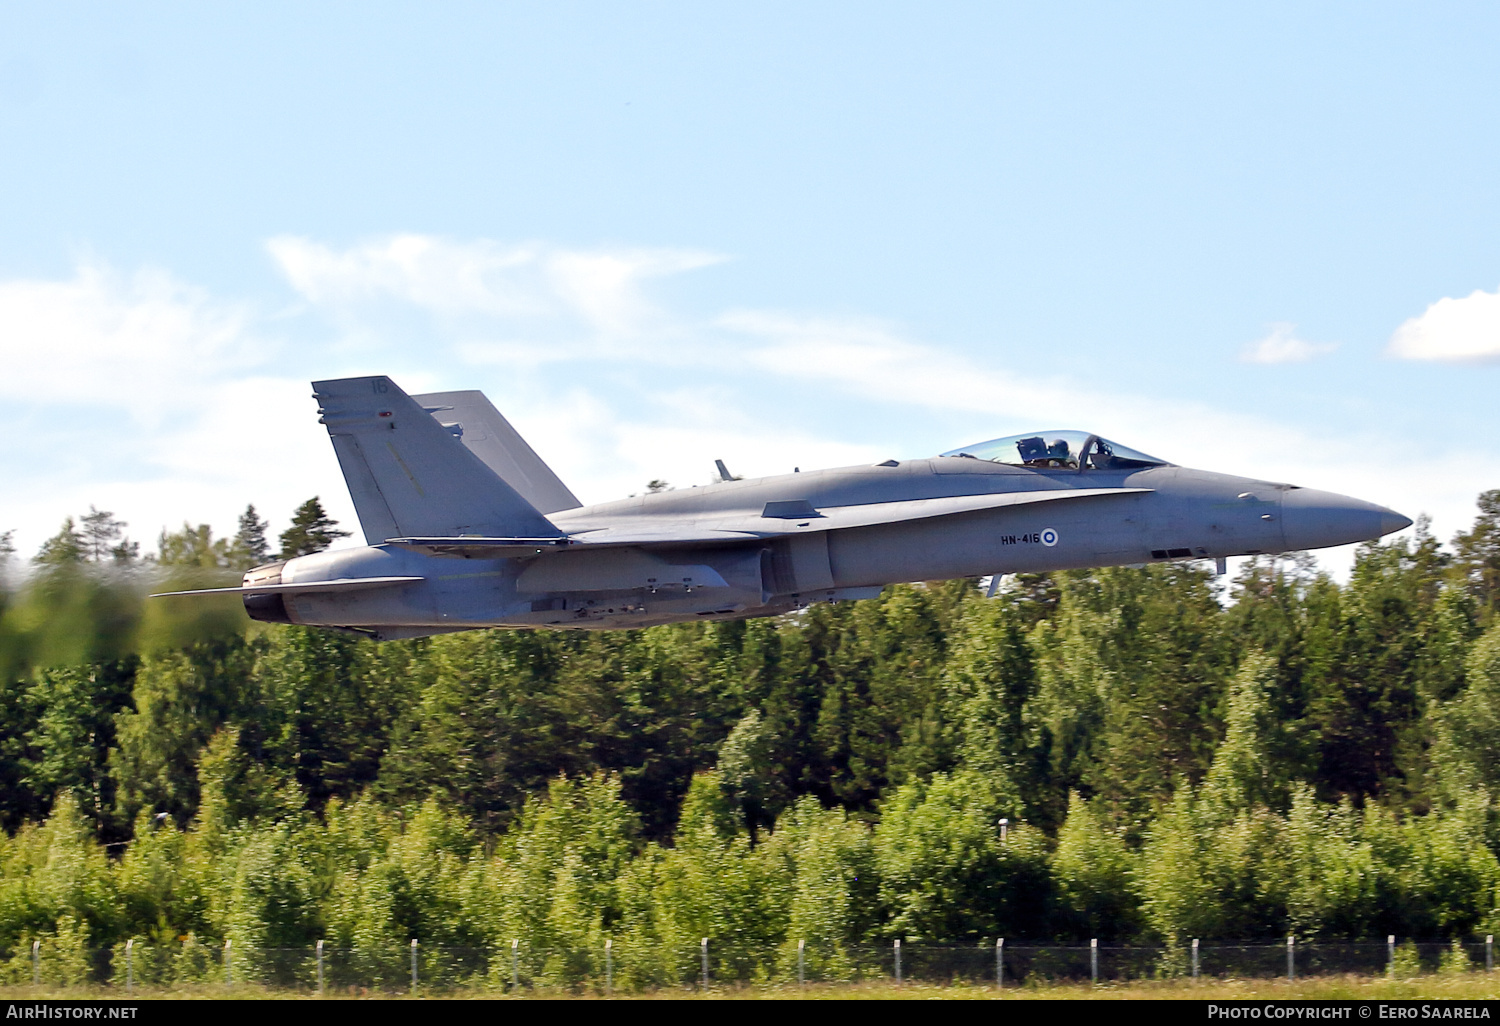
1351,987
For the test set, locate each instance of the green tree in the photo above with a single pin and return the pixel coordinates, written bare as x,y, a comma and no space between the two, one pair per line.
1468,727
104,538
249,547
557,869
1246,772
74,732
710,883
1096,895
990,677
234,788
181,697
488,728
64,548
834,901
868,696
325,707
1365,685
192,547
19,800
745,770
945,876
1477,552
1337,883
1207,872
1130,674
96,537
312,531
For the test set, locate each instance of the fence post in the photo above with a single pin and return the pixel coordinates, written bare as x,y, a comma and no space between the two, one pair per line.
1489,953
515,967
1000,963
320,967
1390,955
414,965
1291,958
228,962
36,963
802,963
130,966
609,965
1195,958
898,961
1094,961
704,948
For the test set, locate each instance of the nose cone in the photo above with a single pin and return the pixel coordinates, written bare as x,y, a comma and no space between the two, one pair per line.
1314,520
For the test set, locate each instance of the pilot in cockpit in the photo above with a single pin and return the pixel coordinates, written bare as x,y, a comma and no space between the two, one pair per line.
1035,452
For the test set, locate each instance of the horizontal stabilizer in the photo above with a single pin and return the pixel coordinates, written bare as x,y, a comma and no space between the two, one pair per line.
343,584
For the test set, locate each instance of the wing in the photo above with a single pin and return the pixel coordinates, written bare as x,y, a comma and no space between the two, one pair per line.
343,584
776,519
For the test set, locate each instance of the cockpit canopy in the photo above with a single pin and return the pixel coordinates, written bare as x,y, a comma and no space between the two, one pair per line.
1061,449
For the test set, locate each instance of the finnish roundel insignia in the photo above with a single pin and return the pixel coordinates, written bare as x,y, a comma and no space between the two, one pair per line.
1049,537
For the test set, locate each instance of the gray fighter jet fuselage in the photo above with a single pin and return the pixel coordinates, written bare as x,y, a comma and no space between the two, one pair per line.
467,528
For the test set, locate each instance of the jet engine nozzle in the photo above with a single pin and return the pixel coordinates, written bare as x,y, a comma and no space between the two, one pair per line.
1313,519
267,608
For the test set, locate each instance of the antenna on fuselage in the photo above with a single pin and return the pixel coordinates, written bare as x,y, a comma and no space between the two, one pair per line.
724,474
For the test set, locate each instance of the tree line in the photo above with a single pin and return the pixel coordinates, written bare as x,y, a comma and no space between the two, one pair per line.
98,538
1176,756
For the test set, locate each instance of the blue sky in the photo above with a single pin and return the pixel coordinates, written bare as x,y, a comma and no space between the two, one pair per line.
1262,238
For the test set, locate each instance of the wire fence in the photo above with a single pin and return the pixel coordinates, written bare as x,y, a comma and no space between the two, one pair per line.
610,967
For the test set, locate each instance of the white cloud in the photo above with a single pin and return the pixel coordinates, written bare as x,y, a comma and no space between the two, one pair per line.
145,395
1283,346
550,289
138,343
1457,330
871,358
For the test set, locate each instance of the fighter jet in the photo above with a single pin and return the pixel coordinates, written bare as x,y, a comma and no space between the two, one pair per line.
467,528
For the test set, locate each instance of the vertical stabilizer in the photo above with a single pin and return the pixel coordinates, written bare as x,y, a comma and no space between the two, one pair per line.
488,435
409,475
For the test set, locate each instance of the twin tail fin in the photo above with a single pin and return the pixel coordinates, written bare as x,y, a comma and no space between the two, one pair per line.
411,475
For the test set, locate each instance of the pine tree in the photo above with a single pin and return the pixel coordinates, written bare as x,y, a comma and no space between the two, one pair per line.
64,547
1244,773
250,547
103,536
1478,551
312,531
